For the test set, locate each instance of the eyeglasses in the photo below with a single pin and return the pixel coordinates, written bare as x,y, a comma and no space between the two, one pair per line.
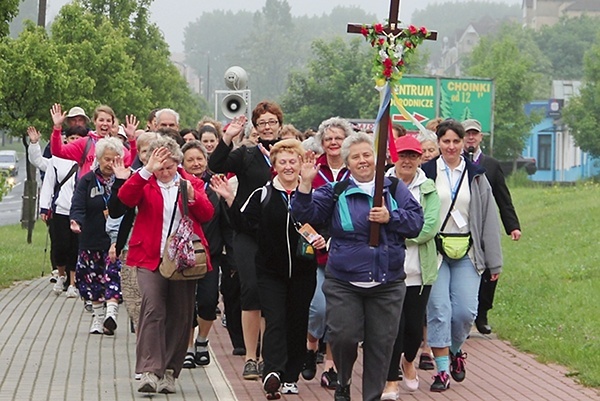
409,155
263,124
334,138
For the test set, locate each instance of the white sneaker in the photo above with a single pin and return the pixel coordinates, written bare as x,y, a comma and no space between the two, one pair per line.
96,326
137,376
59,286
88,306
148,383
167,383
289,388
72,292
110,321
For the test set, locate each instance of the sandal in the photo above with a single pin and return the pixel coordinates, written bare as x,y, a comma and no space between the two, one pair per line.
189,362
202,358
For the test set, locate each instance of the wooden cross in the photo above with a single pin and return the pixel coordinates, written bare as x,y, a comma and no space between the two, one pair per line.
391,30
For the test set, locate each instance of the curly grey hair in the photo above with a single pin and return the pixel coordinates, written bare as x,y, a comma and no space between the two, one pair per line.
110,143
354,139
333,122
170,144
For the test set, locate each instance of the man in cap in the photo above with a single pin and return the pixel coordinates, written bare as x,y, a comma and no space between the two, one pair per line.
495,176
77,117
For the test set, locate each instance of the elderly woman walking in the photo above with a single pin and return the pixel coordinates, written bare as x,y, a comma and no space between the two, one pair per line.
97,280
364,285
167,306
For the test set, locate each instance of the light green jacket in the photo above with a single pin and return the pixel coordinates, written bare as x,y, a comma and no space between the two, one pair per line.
430,202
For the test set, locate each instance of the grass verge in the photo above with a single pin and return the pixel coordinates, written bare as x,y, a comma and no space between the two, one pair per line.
548,294
20,260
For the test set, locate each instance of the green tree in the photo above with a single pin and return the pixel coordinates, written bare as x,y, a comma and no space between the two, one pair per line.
582,113
101,71
565,44
337,82
517,66
8,10
146,46
37,75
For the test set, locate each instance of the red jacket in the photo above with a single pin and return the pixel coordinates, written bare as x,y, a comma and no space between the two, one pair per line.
144,245
74,151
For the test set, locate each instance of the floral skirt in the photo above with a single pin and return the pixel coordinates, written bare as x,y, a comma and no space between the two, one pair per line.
97,278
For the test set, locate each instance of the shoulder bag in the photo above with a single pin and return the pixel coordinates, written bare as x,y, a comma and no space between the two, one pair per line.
184,256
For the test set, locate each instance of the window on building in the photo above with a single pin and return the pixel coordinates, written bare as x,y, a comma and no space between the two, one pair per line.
544,160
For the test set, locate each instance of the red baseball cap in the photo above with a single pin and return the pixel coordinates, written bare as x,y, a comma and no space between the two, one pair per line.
408,143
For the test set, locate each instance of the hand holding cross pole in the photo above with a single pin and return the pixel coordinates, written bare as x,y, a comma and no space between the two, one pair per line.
391,33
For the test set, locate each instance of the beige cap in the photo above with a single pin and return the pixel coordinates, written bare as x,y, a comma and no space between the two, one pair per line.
472,125
78,111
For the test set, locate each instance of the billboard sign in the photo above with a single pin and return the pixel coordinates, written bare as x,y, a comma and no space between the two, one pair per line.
426,98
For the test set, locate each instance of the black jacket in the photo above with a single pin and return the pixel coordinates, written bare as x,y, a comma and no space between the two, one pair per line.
247,163
87,209
269,221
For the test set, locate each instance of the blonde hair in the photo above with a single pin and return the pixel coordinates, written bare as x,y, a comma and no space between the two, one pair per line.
286,145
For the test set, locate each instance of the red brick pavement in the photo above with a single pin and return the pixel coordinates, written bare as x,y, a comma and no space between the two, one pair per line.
495,371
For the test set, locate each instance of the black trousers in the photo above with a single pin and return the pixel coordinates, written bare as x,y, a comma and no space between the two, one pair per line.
487,289
285,303
410,332
230,288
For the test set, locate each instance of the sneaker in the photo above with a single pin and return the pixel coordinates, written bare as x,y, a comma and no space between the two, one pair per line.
166,385
309,370
320,357
342,393
110,321
441,382
137,376
426,361
261,368
329,379
289,388
202,357
148,383
88,307
72,292
250,371
457,366
96,326
58,287
224,320
271,385
54,276
189,362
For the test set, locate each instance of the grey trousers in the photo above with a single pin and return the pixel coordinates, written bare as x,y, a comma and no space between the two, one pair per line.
166,317
371,315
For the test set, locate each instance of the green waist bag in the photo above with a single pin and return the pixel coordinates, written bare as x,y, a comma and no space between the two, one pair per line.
453,246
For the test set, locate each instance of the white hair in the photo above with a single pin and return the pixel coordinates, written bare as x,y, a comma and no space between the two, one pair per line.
333,122
111,143
354,139
168,111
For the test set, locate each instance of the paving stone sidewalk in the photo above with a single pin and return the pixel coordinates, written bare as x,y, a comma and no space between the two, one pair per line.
46,353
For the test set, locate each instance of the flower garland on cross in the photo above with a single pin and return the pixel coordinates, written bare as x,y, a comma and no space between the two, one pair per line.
393,50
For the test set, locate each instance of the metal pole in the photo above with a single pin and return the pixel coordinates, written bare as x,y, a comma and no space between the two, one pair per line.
42,13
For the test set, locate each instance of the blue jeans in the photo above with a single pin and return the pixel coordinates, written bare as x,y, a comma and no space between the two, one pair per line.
316,313
452,305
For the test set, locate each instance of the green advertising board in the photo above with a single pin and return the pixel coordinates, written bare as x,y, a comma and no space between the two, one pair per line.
426,98
462,99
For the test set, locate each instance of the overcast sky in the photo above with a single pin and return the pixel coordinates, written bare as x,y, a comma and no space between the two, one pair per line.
172,16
